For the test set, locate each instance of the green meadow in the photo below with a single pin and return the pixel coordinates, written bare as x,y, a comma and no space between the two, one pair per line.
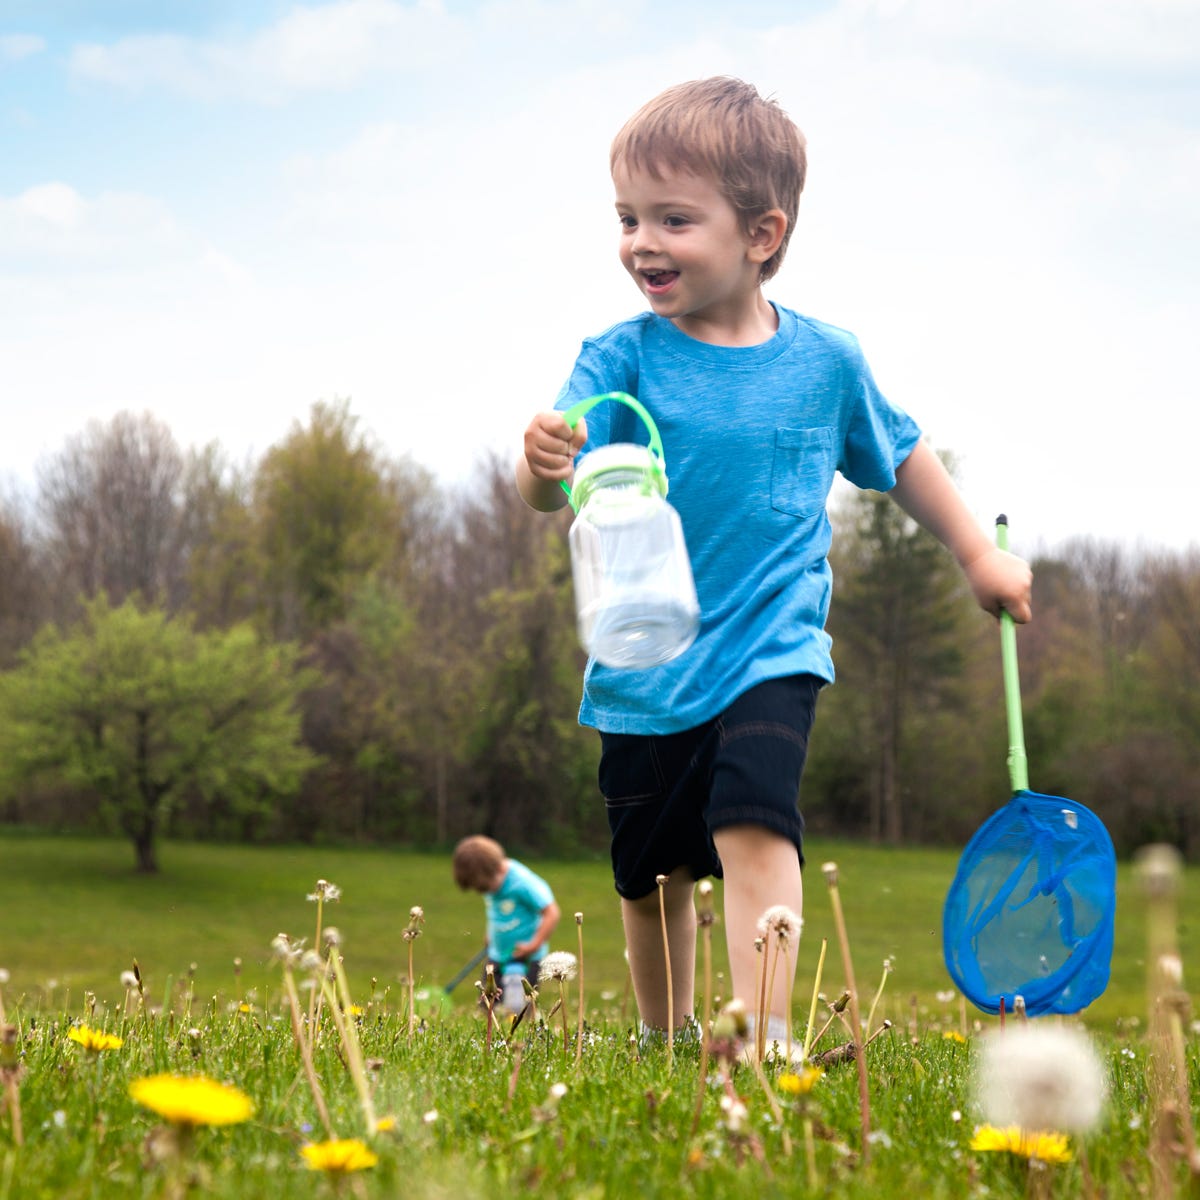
76,916
532,1111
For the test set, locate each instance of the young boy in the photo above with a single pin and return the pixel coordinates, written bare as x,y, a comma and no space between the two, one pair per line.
757,407
520,909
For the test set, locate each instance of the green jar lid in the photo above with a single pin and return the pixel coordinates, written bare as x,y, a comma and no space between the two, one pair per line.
619,458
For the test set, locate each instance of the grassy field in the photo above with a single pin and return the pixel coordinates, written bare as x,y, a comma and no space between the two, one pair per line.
76,915
529,1113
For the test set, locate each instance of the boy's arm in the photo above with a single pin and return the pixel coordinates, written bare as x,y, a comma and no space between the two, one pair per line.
548,459
926,492
541,936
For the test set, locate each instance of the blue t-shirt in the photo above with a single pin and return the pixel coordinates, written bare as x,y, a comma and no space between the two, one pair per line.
514,911
752,437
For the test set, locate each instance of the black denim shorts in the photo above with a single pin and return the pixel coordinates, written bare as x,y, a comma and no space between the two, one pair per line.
667,795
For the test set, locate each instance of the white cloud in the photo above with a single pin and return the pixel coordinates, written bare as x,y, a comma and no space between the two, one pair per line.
16,46
325,47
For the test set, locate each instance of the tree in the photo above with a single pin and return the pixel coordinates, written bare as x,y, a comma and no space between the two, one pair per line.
329,512
110,503
20,582
142,712
898,617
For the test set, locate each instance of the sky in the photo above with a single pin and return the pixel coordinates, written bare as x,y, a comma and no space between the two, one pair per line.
223,211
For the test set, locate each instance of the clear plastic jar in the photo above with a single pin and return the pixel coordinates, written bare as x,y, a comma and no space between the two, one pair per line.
635,598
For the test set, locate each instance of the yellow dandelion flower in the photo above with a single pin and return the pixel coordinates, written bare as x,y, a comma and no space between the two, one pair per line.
94,1040
340,1156
384,1124
1046,1147
801,1084
192,1099
952,1035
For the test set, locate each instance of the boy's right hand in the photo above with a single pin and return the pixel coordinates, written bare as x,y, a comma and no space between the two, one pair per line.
551,446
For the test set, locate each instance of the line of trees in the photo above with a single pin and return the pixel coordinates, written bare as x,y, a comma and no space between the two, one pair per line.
325,643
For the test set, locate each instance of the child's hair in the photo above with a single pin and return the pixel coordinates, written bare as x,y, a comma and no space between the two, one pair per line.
721,128
477,861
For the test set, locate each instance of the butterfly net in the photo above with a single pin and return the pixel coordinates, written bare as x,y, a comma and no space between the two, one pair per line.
1030,912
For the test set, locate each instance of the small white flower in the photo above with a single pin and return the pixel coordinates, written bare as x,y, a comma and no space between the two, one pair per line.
1041,1077
559,965
558,1091
956,1116
430,1117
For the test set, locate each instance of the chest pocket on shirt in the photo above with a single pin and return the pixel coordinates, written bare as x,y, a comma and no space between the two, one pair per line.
802,471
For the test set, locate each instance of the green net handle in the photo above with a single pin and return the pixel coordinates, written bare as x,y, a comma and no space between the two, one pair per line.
572,415
1018,764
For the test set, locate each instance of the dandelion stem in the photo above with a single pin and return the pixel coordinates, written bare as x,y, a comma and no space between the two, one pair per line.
878,993
769,990
706,923
661,880
812,1008
864,1099
579,1027
302,1043
349,1036
760,1001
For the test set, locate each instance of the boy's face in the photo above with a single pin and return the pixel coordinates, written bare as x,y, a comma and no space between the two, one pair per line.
685,246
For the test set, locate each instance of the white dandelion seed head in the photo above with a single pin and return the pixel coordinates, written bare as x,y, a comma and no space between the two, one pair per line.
1040,1077
1158,867
579,918
559,964
310,960
416,913
661,880
430,1117
830,871
326,891
705,887
1170,967
781,921
331,935
128,979
557,1091
4,976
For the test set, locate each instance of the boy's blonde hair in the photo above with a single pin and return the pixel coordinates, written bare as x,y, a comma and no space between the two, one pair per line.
722,129
477,862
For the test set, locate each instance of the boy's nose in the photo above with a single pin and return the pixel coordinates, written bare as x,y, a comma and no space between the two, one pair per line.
645,240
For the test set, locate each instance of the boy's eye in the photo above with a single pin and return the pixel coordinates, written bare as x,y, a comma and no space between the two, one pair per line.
674,221
627,222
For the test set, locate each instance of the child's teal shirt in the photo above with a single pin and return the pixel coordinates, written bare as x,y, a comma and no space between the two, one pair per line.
752,438
514,911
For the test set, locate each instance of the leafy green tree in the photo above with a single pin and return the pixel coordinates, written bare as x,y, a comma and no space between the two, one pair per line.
329,512
144,713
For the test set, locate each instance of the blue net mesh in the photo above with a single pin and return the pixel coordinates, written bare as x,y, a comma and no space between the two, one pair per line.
1030,912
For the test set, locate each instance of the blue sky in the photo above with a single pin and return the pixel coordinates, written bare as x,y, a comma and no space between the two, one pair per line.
222,212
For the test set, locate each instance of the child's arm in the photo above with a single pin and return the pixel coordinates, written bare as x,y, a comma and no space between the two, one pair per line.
926,492
541,936
550,448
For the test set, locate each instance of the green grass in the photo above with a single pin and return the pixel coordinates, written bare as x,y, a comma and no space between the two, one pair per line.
469,1121
77,915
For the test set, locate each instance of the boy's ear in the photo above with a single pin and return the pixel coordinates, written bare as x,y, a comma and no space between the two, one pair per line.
765,234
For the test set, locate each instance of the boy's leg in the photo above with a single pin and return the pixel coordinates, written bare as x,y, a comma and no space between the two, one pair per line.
647,963
762,869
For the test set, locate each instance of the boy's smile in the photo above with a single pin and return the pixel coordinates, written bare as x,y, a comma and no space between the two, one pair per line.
688,251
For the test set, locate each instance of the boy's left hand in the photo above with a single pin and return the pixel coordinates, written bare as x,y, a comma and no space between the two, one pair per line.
1001,581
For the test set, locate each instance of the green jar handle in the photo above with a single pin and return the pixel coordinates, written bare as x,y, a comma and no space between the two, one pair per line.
572,415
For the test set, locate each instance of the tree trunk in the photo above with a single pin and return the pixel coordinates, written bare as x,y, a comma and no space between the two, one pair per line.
145,853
